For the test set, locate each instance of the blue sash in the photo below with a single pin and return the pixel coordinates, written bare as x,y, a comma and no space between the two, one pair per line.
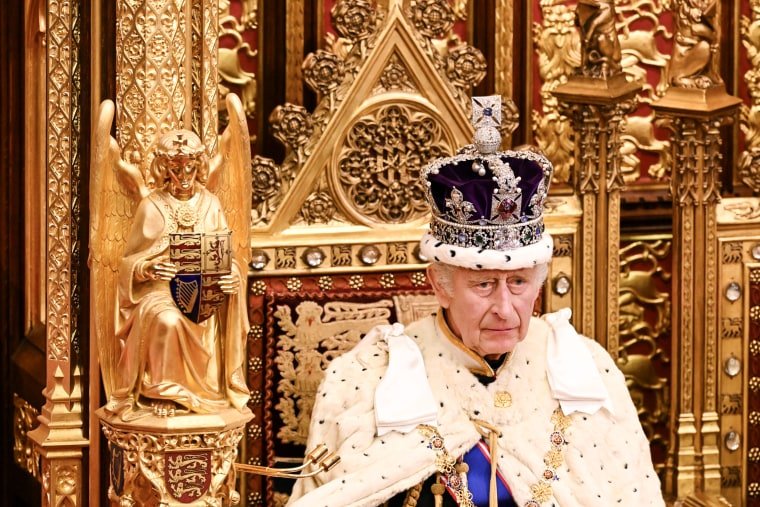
479,478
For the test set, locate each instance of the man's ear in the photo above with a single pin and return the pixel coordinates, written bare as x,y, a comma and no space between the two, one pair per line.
443,297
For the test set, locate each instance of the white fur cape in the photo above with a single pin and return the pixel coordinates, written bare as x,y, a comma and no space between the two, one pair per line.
605,462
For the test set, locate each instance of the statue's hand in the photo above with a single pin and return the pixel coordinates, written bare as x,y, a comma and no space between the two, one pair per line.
230,284
162,269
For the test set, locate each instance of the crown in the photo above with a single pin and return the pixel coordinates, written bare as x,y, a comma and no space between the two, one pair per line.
487,200
179,143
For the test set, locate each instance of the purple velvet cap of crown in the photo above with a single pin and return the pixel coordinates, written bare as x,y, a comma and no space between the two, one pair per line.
479,190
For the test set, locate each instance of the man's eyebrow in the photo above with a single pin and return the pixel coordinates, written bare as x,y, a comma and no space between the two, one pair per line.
480,277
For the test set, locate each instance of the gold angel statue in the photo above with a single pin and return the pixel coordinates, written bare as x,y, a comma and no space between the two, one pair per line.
168,257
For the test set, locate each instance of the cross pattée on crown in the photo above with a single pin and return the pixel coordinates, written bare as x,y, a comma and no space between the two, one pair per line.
486,111
180,142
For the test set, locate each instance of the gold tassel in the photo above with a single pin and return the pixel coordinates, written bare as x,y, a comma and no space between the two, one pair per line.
438,489
413,495
493,435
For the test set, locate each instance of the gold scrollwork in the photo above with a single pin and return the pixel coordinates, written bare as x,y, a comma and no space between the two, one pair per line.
231,54
24,419
640,353
558,47
318,335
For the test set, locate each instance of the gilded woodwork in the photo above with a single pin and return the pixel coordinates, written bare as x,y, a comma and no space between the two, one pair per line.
738,411
153,88
644,352
366,175
35,163
235,52
641,33
504,44
343,75
24,420
166,55
596,99
600,47
294,22
749,160
176,465
557,44
59,437
693,63
694,109
204,82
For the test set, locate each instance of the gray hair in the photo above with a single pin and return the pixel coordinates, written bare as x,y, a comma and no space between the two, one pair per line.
444,274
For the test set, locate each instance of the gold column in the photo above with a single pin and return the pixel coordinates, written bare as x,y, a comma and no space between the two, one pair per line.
694,108
166,60
596,106
694,117
205,77
59,438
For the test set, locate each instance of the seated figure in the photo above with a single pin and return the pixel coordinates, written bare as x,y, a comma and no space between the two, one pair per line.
169,362
481,404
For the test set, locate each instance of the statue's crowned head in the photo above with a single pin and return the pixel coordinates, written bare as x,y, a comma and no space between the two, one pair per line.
487,205
179,149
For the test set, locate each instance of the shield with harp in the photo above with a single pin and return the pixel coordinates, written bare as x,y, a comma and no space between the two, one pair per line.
201,259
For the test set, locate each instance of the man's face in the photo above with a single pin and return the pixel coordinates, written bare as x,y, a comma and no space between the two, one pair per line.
182,172
489,310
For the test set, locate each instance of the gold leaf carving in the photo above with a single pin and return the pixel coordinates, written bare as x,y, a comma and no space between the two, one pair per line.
749,161
24,420
230,68
395,77
558,46
640,353
310,341
378,169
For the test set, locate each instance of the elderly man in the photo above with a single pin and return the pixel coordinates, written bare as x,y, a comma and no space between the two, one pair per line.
481,404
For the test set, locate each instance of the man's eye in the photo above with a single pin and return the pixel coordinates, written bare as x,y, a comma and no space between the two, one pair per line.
485,285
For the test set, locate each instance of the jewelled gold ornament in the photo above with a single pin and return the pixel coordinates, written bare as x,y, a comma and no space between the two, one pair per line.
502,399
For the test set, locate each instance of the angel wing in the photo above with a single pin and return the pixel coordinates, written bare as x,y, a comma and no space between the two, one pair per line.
115,190
230,179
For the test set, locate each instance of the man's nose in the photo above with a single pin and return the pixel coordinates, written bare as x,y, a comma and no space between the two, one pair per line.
502,302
